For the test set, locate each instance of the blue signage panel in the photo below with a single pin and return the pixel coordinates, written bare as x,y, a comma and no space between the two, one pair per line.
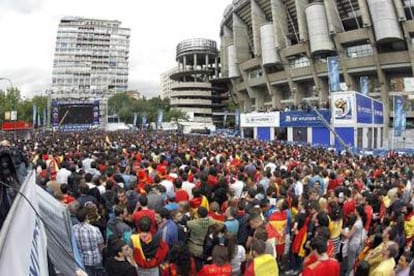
333,74
378,110
321,136
347,134
263,133
303,118
363,109
398,115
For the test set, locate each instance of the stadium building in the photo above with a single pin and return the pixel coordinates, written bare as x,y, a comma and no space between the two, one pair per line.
274,53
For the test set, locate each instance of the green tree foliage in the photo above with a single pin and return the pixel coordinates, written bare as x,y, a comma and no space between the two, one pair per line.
125,106
12,100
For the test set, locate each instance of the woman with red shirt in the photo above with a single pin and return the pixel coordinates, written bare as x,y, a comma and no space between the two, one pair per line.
221,265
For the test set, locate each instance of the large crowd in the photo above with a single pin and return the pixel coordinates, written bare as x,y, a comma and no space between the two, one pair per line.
164,204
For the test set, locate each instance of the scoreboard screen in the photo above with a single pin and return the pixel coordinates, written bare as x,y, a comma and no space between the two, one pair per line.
75,115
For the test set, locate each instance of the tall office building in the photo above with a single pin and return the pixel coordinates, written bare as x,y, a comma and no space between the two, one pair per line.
166,83
91,59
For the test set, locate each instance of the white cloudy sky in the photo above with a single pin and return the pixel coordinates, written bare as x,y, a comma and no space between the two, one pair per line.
28,30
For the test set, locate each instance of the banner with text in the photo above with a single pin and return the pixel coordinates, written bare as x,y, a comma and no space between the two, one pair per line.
342,108
333,74
304,118
270,119
363,109
398,115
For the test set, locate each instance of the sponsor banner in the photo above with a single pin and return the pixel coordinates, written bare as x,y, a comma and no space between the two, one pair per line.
55,114
333,74
96,113
135,119
363,109
342,108
23,239
160,115
304,118
237,118
270,119
378,110
34,114
398,115
364,83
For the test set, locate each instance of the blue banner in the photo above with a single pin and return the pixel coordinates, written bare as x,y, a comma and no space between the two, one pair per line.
237,118
364,83
398,115
44,117
34,115
135,118
303,118
333,74
378,110
159,117
364,109
144,121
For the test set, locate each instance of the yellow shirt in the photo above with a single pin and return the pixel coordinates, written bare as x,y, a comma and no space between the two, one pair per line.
335,227
385,268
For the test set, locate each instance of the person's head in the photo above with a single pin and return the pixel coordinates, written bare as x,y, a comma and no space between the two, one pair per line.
220,255
180,256
143,201
82,215
214,206
122,195
119,248
64,188
231,212
144,224
202,212
120,212
386,233
319,244
84,188
177,216
261,234
258,247
255,220
391,250
405,259
362,269
178,183
163,214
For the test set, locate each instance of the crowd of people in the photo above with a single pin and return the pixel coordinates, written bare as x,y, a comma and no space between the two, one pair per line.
165,204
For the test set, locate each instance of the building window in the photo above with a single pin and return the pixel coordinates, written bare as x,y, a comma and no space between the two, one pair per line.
299,62
359,51
256,73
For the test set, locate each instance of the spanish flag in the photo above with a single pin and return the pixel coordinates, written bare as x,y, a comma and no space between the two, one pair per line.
262,265
300,239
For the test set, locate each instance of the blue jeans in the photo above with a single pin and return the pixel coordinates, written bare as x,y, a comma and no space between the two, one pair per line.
96,270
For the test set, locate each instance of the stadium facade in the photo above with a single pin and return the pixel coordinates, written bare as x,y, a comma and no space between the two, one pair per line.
192,86
274,53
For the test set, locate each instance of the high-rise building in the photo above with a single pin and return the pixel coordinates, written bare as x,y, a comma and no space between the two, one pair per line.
166,82
91,59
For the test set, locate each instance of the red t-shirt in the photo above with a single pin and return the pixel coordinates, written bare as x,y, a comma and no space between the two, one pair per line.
326,267
215,270
137,216
333,183
369,212
181,195
218,217
349,207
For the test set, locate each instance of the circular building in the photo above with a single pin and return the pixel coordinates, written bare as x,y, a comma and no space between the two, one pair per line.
192,90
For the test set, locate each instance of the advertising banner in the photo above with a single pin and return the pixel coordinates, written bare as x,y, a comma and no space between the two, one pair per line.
364,83
333,74
159,117
378,110
23,239
363,109
34,115
303,118
342,106
237,118
135,119
144,121
270,119
398,115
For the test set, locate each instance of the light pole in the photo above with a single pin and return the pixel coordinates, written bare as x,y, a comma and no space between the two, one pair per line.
14,104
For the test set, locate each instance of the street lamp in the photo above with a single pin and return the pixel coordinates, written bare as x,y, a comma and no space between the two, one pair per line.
14,104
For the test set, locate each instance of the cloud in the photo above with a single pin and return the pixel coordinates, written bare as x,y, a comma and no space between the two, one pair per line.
28,31
21,6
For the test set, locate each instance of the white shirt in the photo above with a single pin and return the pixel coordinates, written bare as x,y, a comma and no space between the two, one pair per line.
62,176
237,187
188,187
169,186
298,188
